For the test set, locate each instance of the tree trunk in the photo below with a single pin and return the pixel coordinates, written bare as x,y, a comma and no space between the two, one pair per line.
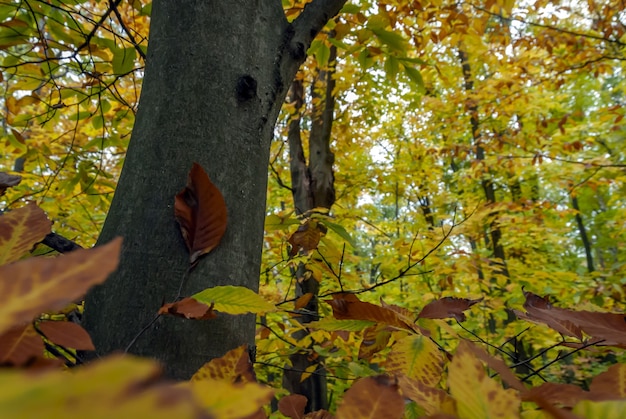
487,185
216,76
583,234
312,187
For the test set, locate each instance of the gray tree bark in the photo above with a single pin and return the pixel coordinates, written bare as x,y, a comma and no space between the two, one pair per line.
217,74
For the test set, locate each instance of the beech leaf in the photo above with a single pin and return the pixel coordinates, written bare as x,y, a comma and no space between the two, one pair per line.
32,286
234,367
447,307
292,406
234,300
200,211
348,307
189,309
417,357
303,300
610,328
372,397
20,345
20,230
477,395
67,334
306,237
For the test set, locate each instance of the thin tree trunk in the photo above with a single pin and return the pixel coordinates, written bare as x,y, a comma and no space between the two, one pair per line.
312,187
488,188
583,234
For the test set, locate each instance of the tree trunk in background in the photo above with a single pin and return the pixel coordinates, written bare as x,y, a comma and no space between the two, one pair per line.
495,234
583,234
312,187
216,76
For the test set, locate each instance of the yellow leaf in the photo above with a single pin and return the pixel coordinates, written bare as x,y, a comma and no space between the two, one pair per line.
20,230
119,387
227,400
308,371
478,396
234,367
31,286
416,357
234,300
610,409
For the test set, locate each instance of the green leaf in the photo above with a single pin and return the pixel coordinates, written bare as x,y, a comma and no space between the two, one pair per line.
234,300
124,60
351,9
416,77
392,67
393,40
341,231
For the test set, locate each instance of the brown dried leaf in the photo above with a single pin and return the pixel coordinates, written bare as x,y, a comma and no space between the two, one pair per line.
447,307
610,327
292,406
610,384
7,180
565,395
67,334
20,230
372,397
347,306
200,211
189,308
306,237
319,414
234,367
303,300
32,286
20,345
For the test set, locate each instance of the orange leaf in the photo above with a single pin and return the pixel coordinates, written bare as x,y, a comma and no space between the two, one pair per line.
372,397
348,306
303,300
234,367
20,345
67,334
306,237
7,180
20,230
375,339
292,406
32,286
200,211
189,309
447,307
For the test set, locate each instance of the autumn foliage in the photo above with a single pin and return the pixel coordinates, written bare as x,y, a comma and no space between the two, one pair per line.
418,376
472,265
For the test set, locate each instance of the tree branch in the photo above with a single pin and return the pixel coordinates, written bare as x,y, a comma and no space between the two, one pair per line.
313,18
